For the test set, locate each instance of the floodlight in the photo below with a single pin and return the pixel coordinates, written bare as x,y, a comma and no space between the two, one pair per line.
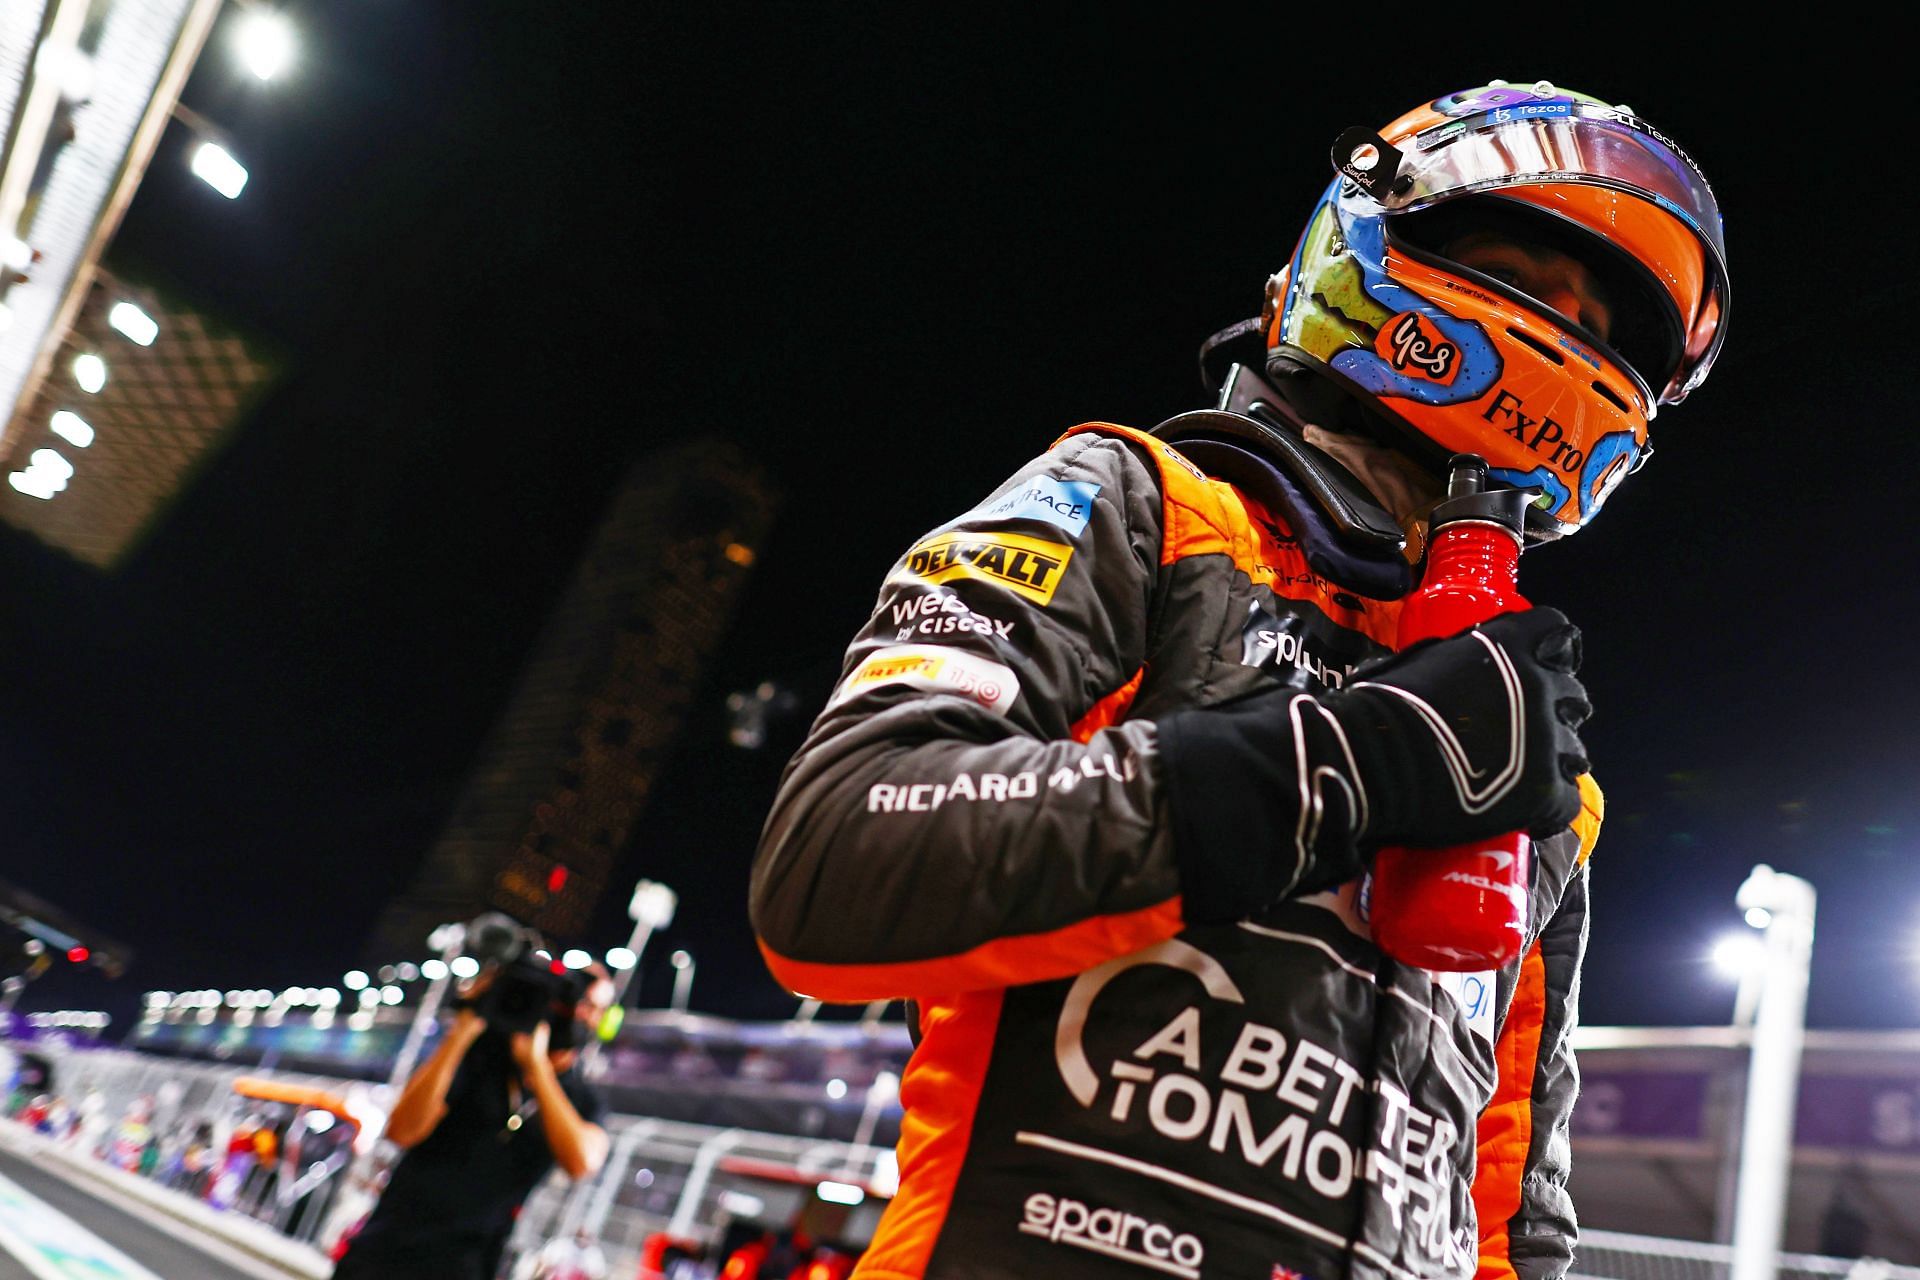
136,324
264,42
90,371
214,165
71,427
1738,953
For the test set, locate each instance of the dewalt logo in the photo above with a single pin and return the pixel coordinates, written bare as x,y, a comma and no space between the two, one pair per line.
1030,566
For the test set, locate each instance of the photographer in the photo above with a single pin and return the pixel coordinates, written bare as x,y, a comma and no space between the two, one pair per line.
482,1121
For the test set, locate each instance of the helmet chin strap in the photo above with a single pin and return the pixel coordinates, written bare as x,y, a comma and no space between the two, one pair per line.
1404,489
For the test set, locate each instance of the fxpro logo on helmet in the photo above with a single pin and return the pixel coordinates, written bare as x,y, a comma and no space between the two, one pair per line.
1535,433
1126,1236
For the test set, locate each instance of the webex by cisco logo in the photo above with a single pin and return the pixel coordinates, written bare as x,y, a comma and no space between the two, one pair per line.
1126,1236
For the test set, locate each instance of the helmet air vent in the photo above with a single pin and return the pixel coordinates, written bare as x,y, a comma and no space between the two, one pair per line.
1609,394
1529,341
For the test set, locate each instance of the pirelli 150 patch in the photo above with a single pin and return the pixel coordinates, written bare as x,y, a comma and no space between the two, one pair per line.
988,683
1030,566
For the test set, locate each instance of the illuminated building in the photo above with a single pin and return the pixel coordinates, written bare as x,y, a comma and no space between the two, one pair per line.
559,781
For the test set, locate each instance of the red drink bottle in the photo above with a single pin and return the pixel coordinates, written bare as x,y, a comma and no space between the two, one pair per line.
1463,908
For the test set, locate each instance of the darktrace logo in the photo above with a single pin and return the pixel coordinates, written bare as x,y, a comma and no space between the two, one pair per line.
1028,566
1126,1236
1411,343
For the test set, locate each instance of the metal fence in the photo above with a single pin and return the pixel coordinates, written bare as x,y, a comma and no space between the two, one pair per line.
687,1179
693,1180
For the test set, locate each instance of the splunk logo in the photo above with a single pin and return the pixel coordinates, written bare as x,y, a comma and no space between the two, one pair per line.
1126,1236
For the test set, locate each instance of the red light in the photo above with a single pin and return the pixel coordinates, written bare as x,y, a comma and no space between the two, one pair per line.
78,954
819,1271
557,878
557,967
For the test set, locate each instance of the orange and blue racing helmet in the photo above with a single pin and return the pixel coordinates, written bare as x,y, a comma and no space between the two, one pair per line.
1466,361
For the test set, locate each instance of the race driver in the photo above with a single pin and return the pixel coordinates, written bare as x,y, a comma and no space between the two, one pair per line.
1102,778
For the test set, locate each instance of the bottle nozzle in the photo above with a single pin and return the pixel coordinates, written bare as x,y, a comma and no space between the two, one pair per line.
1470,498
1468,475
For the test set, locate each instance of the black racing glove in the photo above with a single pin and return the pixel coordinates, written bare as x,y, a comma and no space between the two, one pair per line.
1449,741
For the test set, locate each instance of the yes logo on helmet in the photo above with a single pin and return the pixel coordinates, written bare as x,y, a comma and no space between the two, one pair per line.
1413,346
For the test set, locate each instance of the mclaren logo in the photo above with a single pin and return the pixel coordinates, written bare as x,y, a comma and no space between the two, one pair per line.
1030,566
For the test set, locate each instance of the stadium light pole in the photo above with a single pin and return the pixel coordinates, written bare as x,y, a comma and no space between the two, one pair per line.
447,940
1783,906
651,909
1740,955
682,962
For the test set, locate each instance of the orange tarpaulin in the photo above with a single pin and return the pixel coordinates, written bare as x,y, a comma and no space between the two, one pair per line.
298,1095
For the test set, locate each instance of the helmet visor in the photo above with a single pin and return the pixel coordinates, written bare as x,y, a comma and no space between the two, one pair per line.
1532,144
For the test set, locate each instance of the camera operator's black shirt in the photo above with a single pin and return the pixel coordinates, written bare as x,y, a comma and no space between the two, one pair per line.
465,1182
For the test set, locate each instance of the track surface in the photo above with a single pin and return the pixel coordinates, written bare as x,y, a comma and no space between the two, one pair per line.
52,1230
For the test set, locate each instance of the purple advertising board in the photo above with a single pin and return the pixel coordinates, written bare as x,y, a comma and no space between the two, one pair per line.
1860,1113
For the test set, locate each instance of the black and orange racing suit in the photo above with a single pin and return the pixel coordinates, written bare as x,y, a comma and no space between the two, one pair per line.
1112,1078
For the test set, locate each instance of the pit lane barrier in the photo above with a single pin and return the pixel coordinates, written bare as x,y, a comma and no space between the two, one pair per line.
241,1242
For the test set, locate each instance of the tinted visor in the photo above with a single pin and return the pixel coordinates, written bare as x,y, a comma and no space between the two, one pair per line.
1547,143
1645,330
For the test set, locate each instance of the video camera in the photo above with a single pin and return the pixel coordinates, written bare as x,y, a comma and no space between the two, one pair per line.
526,990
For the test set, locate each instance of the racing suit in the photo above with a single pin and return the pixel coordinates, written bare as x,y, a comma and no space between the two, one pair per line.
1113,1078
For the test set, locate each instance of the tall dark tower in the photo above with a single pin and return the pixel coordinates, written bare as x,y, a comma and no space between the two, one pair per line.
557,785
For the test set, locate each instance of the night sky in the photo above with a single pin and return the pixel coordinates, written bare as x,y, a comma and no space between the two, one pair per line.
504,250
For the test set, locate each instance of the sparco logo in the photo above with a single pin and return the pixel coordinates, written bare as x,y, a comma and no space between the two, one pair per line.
1126,1236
